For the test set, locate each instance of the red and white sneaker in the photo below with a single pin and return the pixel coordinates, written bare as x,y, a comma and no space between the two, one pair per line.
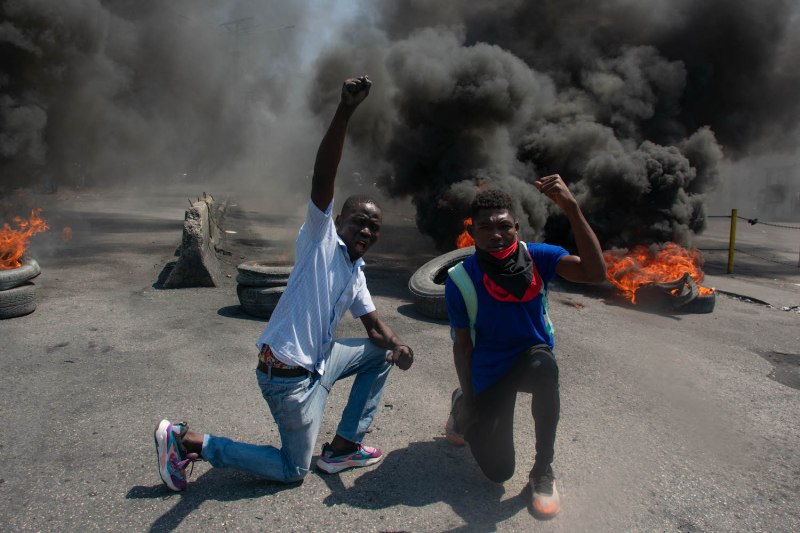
545,501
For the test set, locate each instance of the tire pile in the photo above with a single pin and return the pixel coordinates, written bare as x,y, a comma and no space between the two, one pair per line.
427,284
260,286
17,292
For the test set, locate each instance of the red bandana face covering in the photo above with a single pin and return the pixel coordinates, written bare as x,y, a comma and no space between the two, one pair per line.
510,275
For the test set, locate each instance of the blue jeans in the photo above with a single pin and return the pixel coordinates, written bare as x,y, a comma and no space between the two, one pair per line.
297,405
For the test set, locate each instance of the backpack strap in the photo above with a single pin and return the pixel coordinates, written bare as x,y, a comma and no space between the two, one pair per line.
465,286
460,277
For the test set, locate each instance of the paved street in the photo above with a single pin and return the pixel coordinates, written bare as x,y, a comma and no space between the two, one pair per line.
668,423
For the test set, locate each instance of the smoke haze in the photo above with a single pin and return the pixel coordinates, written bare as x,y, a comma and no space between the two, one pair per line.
120,91
635,104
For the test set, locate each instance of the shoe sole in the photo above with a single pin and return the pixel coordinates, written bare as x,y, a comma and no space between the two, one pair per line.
542,515
160,438
335,468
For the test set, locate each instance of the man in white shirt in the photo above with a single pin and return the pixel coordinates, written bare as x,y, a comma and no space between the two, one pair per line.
299,360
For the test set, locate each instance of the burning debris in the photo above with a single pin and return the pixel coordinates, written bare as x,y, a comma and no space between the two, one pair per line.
13,242
465,239
661,276
17,293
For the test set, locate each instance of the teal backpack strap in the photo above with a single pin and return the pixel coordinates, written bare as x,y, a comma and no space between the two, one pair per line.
545,306
460,277
546,312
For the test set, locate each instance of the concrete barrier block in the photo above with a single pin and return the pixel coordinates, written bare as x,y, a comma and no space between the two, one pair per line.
197,264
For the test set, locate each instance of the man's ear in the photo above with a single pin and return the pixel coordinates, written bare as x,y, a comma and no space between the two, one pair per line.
516,226
337,220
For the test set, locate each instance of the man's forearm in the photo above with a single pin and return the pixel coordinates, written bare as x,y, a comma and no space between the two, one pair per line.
380,333
462,357
589,250
328,156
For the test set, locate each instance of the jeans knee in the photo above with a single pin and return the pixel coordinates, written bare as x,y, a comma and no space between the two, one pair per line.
295,474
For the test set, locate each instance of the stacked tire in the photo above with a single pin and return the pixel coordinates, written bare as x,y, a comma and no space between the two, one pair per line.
260,286
427,284
17,292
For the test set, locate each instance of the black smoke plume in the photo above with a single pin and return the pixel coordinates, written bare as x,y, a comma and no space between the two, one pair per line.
122,91
632,103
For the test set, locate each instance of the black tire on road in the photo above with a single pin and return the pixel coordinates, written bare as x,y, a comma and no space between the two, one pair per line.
427,283
263,274
259,301
18,301
17,276
704,303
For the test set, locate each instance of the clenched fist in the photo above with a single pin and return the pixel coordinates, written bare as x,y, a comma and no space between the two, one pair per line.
355,90
554,188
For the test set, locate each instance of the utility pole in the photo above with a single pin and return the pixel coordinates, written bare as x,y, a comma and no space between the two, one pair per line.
235,29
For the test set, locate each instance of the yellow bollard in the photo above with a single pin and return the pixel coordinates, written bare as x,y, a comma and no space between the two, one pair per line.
732,241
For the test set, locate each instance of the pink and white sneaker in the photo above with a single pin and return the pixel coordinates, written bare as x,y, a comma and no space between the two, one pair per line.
362,456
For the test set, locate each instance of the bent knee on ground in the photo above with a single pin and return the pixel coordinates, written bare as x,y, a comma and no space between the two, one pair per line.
294,474
498,473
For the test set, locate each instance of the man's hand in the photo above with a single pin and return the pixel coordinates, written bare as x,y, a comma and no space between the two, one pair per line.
554,188
402,356
355,90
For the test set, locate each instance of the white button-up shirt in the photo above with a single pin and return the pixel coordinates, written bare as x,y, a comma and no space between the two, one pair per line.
324,284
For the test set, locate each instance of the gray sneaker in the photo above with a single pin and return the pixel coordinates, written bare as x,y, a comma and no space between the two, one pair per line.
451,432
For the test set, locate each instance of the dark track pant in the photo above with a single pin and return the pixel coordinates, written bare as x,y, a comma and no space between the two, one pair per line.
491,434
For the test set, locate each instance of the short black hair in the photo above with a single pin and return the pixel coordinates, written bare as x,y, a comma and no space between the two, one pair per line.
357,199
491,199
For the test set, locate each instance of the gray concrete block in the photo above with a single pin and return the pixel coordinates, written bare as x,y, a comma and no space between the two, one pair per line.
197,264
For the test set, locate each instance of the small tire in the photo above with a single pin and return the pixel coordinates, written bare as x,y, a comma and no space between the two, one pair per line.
704,303
263,274
427,283
17,276
18,301
259,301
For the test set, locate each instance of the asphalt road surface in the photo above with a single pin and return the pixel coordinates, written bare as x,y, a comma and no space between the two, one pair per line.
668,422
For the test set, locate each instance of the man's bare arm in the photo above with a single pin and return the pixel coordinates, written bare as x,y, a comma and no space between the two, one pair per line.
588,266
354,91
382,335
462,357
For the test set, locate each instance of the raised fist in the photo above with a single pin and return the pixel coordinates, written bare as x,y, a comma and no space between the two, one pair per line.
354,90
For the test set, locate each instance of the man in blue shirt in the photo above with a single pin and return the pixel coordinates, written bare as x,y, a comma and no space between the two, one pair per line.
299,360
513,341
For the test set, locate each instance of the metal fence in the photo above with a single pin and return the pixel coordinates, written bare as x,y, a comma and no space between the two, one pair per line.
733,248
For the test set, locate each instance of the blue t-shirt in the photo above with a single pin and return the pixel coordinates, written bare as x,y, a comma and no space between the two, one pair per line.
503,329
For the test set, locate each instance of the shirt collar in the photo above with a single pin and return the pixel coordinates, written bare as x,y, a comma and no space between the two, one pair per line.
358,263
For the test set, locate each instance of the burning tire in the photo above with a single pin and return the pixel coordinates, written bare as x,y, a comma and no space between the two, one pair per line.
259,301
263,274
17,276
704,303
427,283
18,301
680,296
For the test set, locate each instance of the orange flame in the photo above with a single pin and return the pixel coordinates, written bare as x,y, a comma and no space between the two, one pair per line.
464,240
66,234
629,270
14,241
